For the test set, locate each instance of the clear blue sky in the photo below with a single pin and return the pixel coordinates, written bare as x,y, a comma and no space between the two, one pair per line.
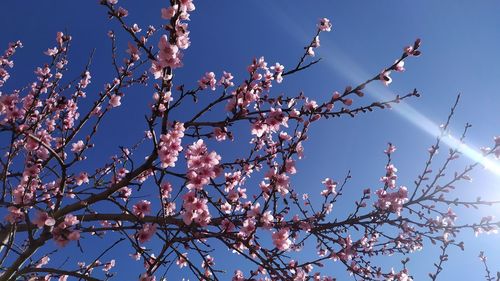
460,48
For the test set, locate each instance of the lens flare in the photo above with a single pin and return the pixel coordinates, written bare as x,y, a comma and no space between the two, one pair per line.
416,118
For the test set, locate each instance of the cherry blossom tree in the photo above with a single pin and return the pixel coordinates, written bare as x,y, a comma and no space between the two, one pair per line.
196,205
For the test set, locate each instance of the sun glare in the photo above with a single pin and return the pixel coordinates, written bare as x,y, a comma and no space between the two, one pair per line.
345,66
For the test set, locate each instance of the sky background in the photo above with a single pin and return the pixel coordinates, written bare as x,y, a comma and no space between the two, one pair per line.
460,42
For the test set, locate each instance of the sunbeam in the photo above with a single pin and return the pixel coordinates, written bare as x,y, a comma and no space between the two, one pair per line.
354,73
343,65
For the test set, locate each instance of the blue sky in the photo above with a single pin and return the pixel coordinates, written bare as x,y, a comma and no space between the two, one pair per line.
460,55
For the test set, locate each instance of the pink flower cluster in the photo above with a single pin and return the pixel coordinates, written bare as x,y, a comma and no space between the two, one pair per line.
115,101
225,80
185,7
324,25
170,146
63,233
330,187
147,231
208,80
261,79
43,219
5,62
392,201
271,123
280,182
202,165
14,215
9,107
142,208
195,209
170,54
390,177
281,239
182,261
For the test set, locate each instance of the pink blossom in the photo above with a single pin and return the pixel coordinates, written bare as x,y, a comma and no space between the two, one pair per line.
147,231
122,12
390,177
168,56
142,208
392,201
278,72
133,51
208,80
168,13
195,209
310,105
267,219
225,80
290,166
125,192
114,101
259,128
248,228
182,260
390,149
52,52
325,25
170,146
202,165
78,146
187,5
70,220
220,134
62,234
330,187
14,215
43,261
399,67
43,219
166,189
107,266
310,51
281,239
82,178
238,276
85,81
227,225
385,78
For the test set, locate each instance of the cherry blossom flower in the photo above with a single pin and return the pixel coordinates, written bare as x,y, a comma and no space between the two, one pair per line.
281,239
392,201
108,266
325,25
43,219
142,208
385,78
78,146
170,146
208,80
146,232
225,80
182,260
114,101
82,178
202,165
330,187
